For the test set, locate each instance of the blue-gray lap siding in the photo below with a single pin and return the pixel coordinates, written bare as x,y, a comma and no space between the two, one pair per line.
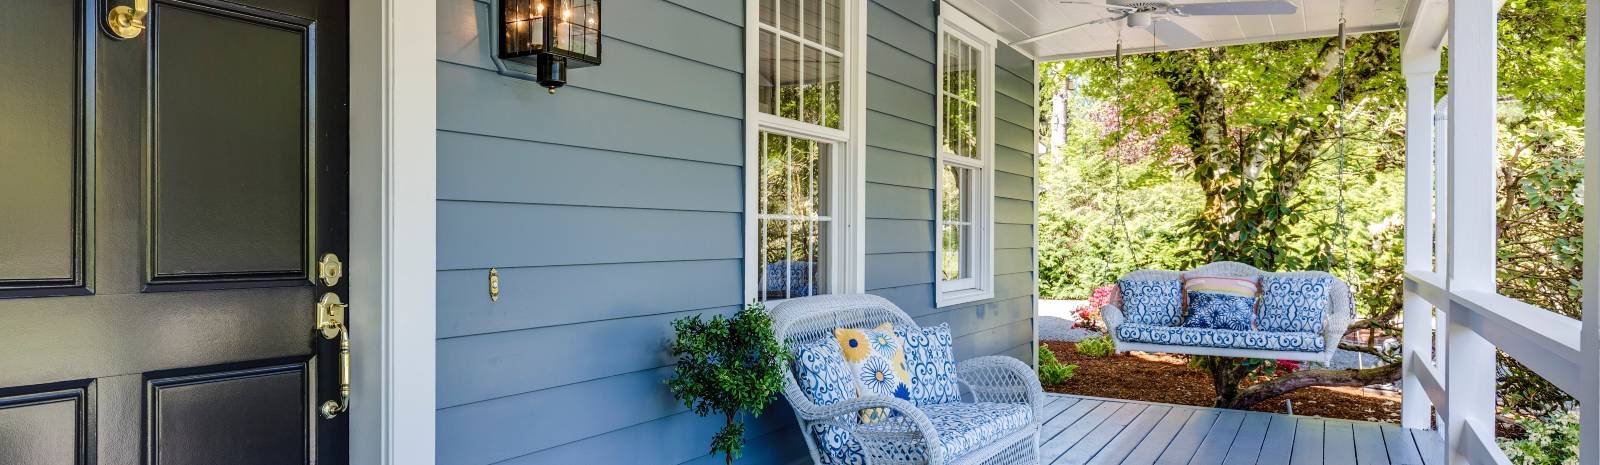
615,206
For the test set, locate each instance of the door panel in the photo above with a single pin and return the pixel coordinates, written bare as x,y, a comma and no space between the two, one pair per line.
40,186
266,414
46,427
230,145
176,327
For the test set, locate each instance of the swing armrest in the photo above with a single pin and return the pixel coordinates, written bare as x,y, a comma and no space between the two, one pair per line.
1113,316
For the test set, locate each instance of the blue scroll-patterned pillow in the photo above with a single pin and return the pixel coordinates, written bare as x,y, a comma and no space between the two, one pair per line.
1152,302
1220,311
1294,304
932,365
822,374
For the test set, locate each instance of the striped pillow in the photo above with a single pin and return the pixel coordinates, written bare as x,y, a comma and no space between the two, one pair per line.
1242,287
1220,302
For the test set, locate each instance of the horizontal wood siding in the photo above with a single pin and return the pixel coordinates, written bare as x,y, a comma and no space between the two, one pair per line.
901,138
616,205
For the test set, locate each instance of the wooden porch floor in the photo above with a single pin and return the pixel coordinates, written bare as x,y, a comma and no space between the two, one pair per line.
1087,430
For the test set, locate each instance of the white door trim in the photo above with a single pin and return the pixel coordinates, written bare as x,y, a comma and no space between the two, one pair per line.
392,230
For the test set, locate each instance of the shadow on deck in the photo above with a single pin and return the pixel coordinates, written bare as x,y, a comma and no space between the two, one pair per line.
1088,430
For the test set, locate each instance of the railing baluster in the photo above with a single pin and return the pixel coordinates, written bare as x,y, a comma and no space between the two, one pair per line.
1420,72
1469,372
1589,378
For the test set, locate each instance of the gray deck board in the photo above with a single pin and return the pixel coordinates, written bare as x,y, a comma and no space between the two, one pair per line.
1148,450
1429,446
1370,448
1089,432
1093,431
1215,446
1402,448
1136,433
1247,444
1106,445
1183,446
1278,446
1339,442
1308,442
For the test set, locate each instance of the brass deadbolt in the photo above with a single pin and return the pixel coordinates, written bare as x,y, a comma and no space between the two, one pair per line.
330,269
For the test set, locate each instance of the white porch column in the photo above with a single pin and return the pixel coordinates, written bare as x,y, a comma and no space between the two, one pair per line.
1420,72
1589,398
1469,372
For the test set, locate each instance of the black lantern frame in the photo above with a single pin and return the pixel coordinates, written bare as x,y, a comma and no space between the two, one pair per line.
551,36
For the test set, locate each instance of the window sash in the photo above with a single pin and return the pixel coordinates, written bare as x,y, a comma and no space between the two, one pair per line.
965,229
801,60
796,197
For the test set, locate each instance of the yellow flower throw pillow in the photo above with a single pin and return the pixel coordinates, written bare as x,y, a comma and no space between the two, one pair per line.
877,361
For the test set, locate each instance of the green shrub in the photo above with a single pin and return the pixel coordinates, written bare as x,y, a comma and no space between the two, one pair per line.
727,367
1550,441
1051,371
1098,346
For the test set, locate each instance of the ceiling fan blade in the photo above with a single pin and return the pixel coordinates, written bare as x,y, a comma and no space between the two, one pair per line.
1266,7
1105,5
1173,35
1065,29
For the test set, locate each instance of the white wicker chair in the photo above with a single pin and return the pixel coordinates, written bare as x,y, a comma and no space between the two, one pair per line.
802,321
1340,313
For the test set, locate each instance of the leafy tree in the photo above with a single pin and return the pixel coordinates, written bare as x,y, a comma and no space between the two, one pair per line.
727,366
1246,135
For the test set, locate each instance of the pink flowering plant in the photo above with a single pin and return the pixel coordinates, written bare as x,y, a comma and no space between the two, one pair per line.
1089,313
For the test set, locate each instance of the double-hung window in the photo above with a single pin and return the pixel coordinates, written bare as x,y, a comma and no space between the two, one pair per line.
965,232
802,168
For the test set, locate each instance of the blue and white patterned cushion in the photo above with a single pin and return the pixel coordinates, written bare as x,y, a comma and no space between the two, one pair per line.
822,374
932,365
1294,304
963,428
1221,338
836,446
1220,311
1152,302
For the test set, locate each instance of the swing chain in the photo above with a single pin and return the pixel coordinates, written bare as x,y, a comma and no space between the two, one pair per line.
1339,220
1116,196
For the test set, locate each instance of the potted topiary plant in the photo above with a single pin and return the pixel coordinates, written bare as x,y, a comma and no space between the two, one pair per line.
727,366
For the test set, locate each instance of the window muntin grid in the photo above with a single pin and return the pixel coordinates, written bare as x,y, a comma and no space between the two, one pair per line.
800,60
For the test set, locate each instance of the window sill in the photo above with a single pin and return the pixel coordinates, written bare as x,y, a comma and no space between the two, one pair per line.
962,296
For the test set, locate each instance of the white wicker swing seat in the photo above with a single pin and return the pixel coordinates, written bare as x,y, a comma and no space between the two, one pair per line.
1300,346
996,423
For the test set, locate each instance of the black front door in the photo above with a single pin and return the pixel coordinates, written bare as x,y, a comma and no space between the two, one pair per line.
167,193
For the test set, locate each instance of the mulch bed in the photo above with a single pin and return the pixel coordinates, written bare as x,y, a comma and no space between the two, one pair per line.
1169,379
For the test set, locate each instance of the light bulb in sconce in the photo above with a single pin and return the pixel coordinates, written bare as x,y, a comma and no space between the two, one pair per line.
566,14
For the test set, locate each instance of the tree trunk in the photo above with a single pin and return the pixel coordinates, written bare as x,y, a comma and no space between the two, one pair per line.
1226,375
729,454
1354,378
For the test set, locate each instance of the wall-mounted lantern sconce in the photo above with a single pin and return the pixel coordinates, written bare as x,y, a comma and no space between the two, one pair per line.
551,36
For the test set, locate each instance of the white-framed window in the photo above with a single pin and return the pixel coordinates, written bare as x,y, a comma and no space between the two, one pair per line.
803,163
964,261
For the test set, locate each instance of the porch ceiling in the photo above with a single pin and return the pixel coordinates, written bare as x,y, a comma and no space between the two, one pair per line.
1017,20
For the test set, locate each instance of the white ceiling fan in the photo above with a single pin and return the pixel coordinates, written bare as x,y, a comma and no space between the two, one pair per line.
1156,15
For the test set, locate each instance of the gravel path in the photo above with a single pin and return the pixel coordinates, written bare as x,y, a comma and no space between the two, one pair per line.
1056,318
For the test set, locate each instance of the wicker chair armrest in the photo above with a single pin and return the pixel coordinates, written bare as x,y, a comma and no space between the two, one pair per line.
912,426
1113,316
998,378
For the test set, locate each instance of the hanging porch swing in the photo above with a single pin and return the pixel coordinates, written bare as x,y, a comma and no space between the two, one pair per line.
1231,309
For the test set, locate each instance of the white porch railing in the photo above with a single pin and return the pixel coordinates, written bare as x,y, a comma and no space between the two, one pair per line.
1454,318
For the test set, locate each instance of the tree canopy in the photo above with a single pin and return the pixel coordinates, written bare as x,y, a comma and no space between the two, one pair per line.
1233,154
